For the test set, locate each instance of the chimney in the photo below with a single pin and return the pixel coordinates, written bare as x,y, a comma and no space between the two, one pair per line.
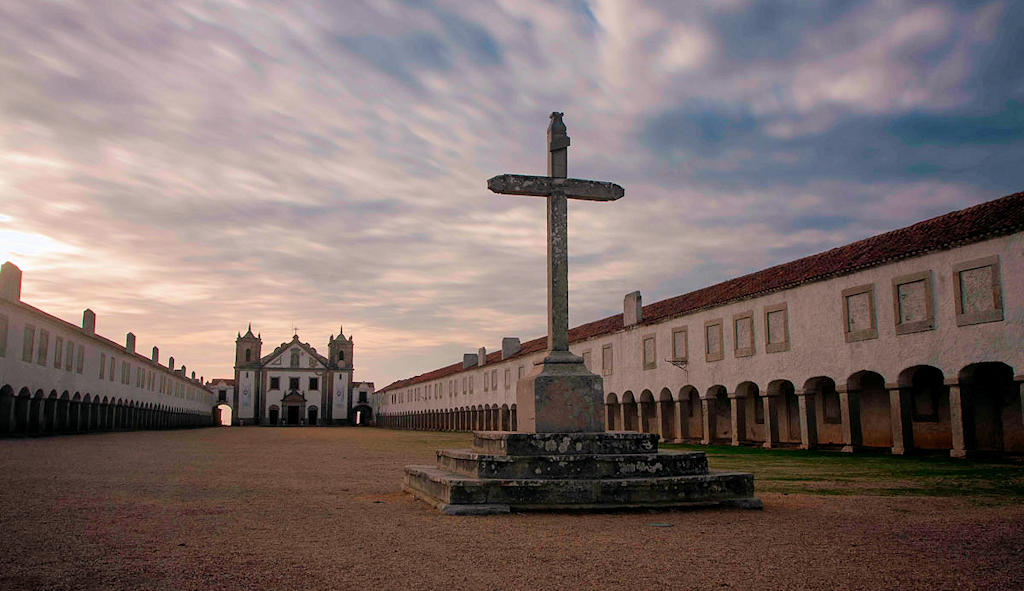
481,356
10,282
129,342
170,363
193,375
469,360
89,321
632,309
509,347
156,355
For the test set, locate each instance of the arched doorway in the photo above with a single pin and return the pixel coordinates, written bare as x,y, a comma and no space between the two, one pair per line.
691,414
668,415
274,415
991,404
611,406
924,393
362,414
222,415
874,424
648,413
311,415
629,412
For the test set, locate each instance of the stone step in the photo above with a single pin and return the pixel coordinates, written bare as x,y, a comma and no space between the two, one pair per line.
545,444
470,463
456,494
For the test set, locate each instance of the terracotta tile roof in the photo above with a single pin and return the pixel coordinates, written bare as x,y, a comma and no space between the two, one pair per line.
987,220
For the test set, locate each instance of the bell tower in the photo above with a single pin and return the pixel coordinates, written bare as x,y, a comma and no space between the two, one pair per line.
340,350
247,348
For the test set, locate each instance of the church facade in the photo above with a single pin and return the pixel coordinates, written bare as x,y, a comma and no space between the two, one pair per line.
295,385
909,340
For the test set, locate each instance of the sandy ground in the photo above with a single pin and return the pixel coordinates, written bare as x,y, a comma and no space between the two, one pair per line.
260,508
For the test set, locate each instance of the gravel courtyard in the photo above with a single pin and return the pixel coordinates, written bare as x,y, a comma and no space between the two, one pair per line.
262,508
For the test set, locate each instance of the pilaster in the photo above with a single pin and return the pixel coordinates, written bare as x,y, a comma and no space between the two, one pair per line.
771,419
707,406
738,414
808,419
849,408
960,421
900,419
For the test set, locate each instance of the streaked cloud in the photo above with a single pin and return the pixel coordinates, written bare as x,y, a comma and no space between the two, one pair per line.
184,168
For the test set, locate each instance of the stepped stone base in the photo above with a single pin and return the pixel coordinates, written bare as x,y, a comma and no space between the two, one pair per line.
572,471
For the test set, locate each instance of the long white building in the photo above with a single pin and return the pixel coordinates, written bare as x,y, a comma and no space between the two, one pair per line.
59,377
912,339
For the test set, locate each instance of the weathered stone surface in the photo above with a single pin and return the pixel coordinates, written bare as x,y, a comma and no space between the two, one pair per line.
443,489
562,398
544,186
541,444
584,466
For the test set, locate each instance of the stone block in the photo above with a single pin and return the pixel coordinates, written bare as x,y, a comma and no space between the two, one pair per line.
561,398
583,466
540,444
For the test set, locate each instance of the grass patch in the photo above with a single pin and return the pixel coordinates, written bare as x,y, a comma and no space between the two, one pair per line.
834,473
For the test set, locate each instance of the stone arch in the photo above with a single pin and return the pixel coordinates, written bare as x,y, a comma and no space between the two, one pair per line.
611,412
629,409
924,401
668,425
222,414
648,413
749,422
719,414
6,409
506,418
991,408
691,413
867,411
312,415
782,415
36,419
49,422
823,423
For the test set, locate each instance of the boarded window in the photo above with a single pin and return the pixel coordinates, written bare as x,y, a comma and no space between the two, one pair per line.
776,327
103,364
680,346
44,346
58,351
743,334
859,313
28,345
80,359
69,355
606,360
713,340
650,353
977,289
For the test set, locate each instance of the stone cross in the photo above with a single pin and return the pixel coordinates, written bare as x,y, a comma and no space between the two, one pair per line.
557,189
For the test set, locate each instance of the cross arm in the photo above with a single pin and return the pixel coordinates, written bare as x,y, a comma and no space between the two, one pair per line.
543,186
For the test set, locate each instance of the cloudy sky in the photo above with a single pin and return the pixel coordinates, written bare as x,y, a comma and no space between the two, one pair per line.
184,168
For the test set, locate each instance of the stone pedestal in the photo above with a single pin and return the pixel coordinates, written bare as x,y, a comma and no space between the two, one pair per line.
563,397
572,471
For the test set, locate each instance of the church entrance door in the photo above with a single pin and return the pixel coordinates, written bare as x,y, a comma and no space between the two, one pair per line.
293,415
312,416
273,416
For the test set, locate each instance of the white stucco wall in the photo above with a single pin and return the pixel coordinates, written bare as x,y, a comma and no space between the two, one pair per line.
817,338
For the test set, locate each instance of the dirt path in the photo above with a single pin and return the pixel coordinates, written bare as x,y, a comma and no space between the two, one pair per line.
320,509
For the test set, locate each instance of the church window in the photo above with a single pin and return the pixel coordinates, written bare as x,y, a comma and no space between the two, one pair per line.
362,396
293,383
58,352
44,346
248,354
606,360
295,357
314,383
275,383
341,356
28,344
522,371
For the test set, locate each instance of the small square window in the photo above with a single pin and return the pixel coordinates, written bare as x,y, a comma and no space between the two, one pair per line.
650,352
977,292
713,345
859,318
314,383
743,334
912,303
293,383
680,344
28,344
776,328
275,383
